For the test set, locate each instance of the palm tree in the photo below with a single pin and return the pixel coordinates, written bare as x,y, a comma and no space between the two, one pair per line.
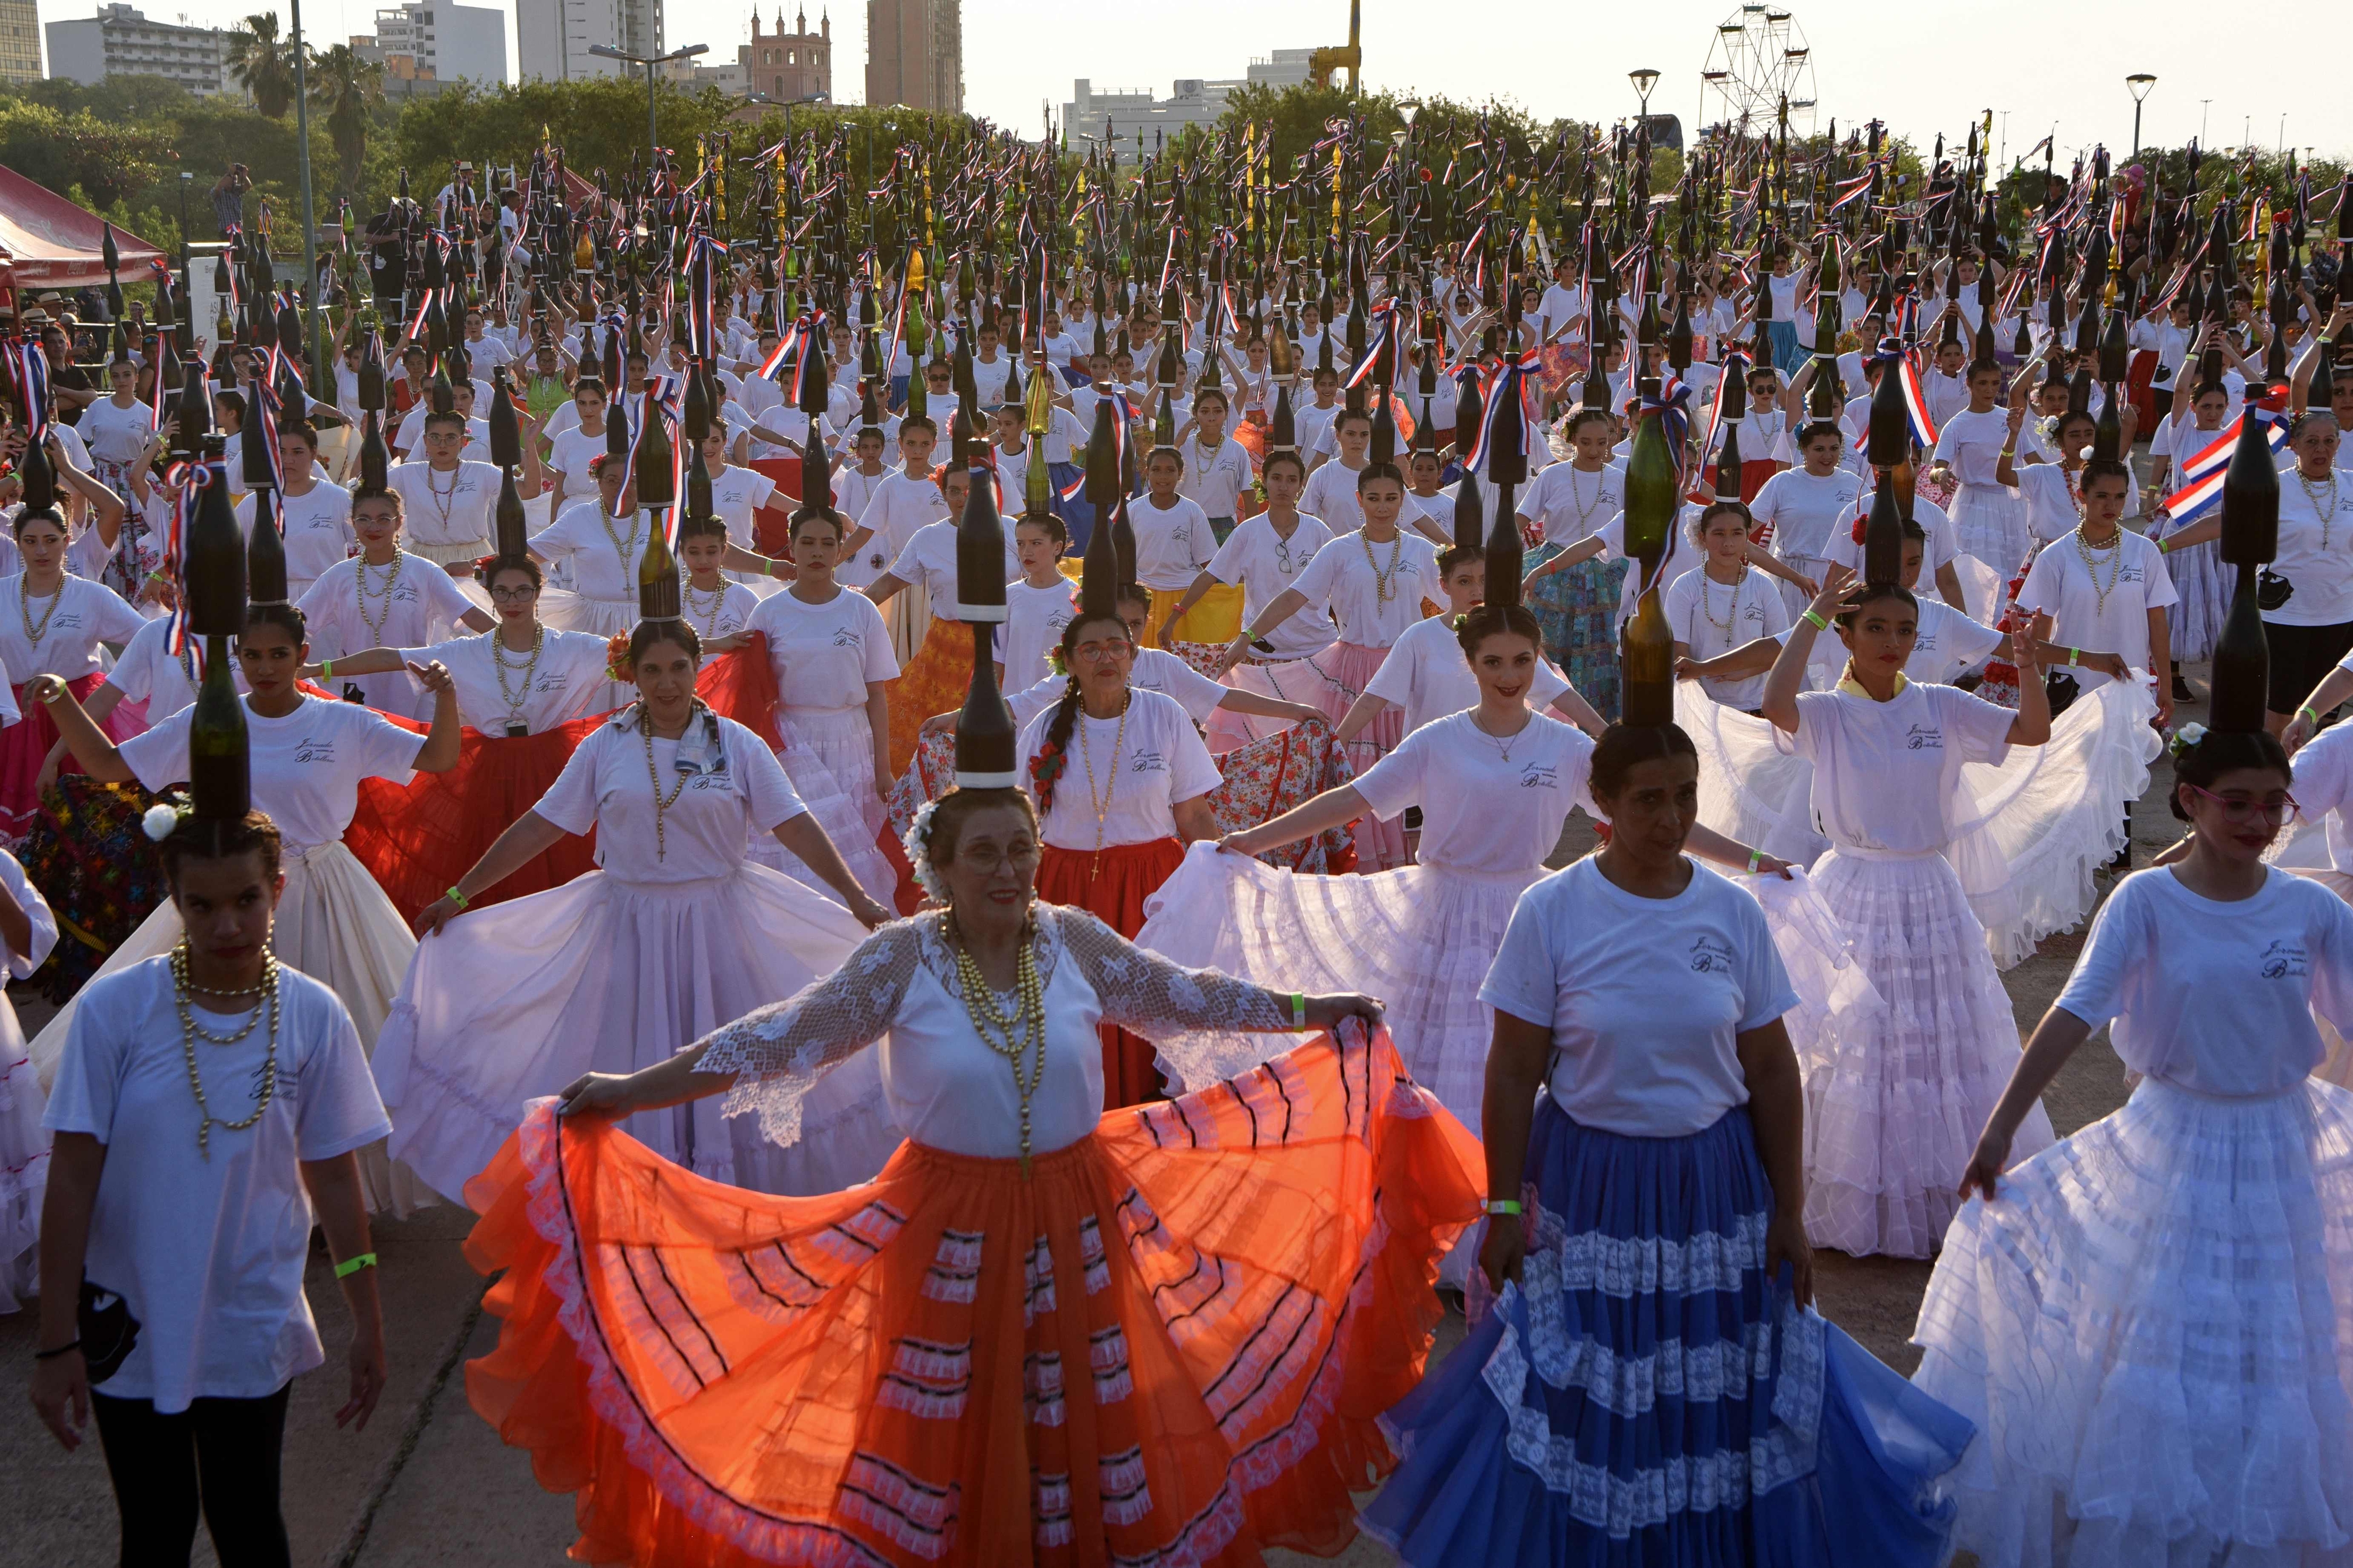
263,65
347,87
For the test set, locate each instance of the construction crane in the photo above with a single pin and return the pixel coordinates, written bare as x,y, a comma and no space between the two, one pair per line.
1322,63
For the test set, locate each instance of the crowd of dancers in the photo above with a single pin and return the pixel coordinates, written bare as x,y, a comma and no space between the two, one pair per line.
986,1009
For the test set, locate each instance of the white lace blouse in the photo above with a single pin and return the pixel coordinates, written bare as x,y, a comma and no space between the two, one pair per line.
947,1089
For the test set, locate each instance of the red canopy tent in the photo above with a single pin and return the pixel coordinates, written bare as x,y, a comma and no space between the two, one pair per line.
46,242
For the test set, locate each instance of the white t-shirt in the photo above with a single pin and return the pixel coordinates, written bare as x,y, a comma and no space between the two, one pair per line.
928,561
852,489
2315,550
1572,503
603,550
728,783
207,1248
898,508
72,623
824,655
417,604
1309,424
1156,669
317,529
1712,618
2324,788
1948,643
1972,443
735,495
1806,512
718,614
1885,773
1846,550
147,672
2051,506
1265,563
439,508
566,683
571,453
1346,578
1646,997
1172,545
1426,675
410,438
1159,762
115,435
1331,495
307,764
1680,556
1214,476
1034,621
1482,810
2059,584
2217,999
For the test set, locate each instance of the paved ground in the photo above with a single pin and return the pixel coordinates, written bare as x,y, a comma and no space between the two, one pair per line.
427,1483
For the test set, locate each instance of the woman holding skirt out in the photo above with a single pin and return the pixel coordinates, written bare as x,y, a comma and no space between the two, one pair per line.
1652,1385
617,969
1043,1333
2148,1320
1889,1098
334,922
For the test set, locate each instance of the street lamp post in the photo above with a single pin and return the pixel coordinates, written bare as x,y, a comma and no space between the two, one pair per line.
2139,84
788,105
652,62
1643,80
187,179
318,336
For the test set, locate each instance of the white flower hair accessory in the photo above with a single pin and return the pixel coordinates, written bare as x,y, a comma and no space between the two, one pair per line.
2188,736
918,844
159,821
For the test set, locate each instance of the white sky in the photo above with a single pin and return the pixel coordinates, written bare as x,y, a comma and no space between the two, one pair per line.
1941,65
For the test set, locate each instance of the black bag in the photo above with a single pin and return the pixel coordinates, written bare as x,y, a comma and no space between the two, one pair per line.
108,1331
2062,689
2272,591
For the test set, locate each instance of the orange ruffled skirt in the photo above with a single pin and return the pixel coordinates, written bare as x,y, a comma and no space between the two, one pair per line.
1112,885
1169,1343
934,681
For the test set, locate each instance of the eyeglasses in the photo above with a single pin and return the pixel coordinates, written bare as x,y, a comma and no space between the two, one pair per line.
2278,813
988,859
1102,652
515,596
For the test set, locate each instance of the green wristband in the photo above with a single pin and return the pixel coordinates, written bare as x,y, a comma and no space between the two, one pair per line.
458,898
1814,617
2306,713
1299,1010
1505,1206
351,1266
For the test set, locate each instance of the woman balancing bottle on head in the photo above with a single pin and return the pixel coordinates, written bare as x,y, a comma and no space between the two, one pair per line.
1009,1269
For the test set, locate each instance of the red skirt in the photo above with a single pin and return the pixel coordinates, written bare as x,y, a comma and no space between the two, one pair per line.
26,743
416,840
1146,1349
1112,885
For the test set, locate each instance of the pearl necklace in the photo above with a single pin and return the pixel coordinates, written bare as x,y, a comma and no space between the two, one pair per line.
2091,568
1013,1036
2327,514
711,616
514,700
1731,611
34,633
1384,582
191,1031
360,582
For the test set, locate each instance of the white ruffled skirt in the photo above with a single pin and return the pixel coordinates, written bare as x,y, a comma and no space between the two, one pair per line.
1899,1080
513,1002
24,1163
2203,584
569,612
830,758
1990,522
335,925
2152,1327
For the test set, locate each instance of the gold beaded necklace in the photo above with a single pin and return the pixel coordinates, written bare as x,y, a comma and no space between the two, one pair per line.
515,700
710,617
191,1031
1384,583
2092,571
34,633
360,585
653,775
1102,807
998,1029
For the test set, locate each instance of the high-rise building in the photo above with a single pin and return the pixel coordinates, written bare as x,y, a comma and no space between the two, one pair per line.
787,68
20,41
915,54
1130,123
120,41
438,40
553,37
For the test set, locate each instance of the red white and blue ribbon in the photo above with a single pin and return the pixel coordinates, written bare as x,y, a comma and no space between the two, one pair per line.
2203,474
189,481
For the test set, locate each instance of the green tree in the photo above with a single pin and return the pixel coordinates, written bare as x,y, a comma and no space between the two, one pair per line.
263,64
347,87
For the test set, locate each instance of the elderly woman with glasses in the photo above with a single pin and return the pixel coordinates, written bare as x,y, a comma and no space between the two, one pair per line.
1121,780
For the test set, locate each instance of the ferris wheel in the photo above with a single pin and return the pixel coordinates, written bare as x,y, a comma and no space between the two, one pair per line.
1759,57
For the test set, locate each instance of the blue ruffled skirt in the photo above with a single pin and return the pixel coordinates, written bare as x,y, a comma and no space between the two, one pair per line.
1647,1397
1577,610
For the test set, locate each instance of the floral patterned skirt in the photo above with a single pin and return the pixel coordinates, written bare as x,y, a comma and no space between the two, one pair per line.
1578,609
